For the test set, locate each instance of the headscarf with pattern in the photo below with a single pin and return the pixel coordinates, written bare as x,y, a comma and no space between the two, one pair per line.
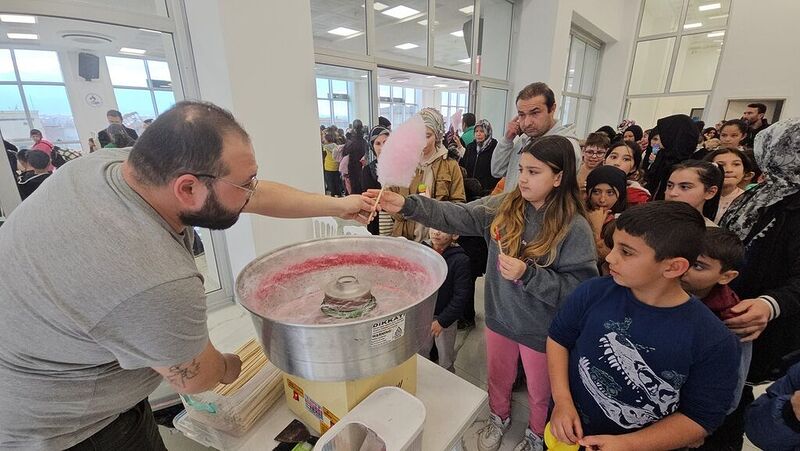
433,120
777,151
487,130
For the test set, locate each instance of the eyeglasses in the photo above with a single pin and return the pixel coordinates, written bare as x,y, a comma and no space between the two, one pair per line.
596,153
249,186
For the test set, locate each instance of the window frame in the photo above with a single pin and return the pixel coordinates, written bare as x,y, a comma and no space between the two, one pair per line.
589,41
150,89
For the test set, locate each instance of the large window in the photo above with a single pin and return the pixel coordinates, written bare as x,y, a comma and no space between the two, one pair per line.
578,95
142,87
451,103
398,103
675,62
33,95
342,95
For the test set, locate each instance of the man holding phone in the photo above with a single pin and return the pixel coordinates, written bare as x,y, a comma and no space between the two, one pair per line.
536,109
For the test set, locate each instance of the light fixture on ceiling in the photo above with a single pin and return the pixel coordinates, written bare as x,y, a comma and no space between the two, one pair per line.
364,76
29,36
406,46
440,86
465,60
721,16
342,31
17,18
430,76
709,7
458,34
132,51
467,9
716,34
378,6
400,12
689,26
424,22
399,79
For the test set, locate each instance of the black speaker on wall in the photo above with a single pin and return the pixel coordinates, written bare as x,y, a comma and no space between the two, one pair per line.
88,66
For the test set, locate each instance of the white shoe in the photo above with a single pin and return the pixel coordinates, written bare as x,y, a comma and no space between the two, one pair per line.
531,442
491,435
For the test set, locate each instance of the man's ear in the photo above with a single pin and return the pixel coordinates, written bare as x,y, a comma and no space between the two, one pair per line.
189,191
727,276
675,267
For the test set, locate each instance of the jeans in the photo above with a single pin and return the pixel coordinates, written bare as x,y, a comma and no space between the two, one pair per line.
134,430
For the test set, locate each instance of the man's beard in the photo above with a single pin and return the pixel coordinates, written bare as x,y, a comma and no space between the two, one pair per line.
212,215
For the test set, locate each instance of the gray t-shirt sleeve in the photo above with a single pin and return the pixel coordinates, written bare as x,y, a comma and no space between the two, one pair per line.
163,326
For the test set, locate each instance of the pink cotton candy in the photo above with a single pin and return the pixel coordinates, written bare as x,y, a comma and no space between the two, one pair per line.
401,154
456,120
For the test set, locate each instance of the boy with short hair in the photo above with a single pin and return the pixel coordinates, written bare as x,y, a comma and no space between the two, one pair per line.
452,298
34,164
708,279
635,362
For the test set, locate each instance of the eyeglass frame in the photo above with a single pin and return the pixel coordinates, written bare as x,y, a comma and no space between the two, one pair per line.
595,153
253,182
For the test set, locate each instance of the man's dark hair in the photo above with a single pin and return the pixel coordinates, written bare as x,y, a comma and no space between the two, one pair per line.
186,139
538,89
114,113
671,229
598,140
22,155
36,131
760,106
38,159
468,119
724,246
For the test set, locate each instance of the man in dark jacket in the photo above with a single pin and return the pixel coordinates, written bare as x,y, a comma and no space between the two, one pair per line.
114,117
451,300
754,116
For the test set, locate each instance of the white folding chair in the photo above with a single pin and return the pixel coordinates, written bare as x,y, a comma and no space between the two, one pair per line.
356,230
325,227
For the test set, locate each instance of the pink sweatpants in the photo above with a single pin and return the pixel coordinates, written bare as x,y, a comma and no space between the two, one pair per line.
501,355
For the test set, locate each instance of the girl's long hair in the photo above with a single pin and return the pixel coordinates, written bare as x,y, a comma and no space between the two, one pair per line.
560,207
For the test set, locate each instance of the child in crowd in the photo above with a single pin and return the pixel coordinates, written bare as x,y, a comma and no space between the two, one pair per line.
733,133
540,249
636,362
773,420
607,197
593,153
333,180
452,298
650,153
699,184
34,164
708,279
736,166
627,156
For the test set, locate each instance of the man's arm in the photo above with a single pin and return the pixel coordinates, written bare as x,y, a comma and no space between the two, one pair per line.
203,372
501,156
282,201
673,432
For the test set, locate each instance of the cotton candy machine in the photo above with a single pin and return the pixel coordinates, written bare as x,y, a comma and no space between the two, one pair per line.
342,308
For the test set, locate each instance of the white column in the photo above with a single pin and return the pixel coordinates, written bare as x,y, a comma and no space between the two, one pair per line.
256,58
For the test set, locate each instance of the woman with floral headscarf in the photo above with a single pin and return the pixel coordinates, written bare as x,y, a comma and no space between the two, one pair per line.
767,219
477,159
438,176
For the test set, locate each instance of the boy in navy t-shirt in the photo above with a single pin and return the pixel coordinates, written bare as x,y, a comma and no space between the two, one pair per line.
635,362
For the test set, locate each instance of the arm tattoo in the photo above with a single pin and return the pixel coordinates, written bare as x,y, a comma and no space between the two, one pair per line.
179,374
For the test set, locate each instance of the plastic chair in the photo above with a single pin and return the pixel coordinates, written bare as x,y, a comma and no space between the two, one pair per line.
356,230
325,227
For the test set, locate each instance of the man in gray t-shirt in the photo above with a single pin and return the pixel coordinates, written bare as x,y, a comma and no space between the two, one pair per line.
100,294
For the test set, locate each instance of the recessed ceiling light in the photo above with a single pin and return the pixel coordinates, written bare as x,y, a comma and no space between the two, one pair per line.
424,22
467,9
466,60
342,31
721,16
132,51
709,7
378,6
406,46
440,86
400,12
430,76
16,18
363,76
149,31
716,34
458,34
692,25
22,36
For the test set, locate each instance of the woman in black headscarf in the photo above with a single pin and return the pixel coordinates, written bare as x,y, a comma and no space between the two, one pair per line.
356,149
369,174
678,135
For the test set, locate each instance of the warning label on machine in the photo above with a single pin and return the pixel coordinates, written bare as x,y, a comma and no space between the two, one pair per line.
388,330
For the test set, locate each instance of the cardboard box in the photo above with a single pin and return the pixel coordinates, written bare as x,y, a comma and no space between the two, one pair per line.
321,404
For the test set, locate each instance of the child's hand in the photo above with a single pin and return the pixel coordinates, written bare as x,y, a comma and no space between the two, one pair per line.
606,443
436,328
511,268
391,202
597,218
565,423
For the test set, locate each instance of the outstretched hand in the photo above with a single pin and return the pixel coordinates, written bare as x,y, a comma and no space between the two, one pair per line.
354,207
390,202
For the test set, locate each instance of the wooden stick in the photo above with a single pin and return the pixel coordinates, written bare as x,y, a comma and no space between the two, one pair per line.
375,207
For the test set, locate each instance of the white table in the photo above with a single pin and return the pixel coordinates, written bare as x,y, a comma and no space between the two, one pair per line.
452,405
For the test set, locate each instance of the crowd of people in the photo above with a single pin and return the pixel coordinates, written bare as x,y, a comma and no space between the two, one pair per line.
691,230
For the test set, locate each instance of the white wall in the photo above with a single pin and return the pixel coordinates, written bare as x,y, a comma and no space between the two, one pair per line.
541,48
759,60
269,86
89,119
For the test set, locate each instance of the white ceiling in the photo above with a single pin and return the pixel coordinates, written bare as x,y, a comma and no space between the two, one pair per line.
76,35
391,77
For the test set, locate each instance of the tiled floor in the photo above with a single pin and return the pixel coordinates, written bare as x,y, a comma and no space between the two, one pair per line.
231,326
